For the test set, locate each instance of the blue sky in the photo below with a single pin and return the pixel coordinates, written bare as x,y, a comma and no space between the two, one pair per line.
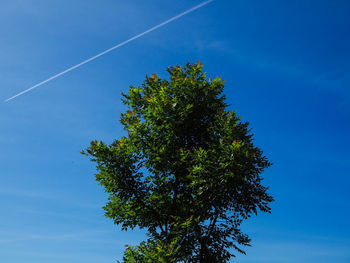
287,71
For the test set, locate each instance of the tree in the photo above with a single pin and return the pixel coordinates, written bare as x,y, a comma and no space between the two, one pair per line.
187,170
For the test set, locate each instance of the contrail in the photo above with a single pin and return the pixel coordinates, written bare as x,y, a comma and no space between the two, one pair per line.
112,48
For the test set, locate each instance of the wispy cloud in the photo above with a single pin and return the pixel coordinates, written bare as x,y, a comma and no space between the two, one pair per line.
91,236
113,48
23,193
335,80
303,250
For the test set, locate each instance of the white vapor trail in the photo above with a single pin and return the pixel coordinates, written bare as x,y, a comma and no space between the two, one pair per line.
112,48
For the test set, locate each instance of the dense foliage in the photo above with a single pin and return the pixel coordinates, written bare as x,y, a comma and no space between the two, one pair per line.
187,171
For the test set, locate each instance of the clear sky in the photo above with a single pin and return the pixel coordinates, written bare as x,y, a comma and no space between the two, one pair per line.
287,71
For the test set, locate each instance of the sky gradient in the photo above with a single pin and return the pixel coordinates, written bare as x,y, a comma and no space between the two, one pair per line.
287,71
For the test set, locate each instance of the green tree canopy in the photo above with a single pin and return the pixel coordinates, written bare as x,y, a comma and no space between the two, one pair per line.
187,171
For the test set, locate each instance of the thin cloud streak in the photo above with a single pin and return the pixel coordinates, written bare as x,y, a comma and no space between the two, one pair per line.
87,236
58,199
112,48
